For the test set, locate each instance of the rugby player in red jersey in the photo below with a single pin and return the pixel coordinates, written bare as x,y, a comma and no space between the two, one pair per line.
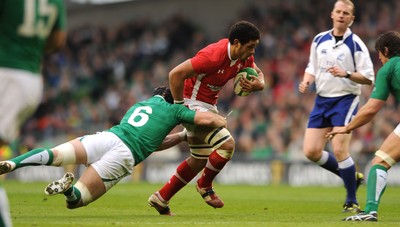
197,83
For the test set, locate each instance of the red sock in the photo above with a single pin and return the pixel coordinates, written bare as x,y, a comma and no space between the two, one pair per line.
215,162
175,184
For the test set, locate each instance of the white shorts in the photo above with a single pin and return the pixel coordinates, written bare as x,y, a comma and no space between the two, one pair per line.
109,156
20,94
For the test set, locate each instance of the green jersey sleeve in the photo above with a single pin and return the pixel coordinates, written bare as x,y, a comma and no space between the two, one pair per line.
61,21
381,88
388,80
184,114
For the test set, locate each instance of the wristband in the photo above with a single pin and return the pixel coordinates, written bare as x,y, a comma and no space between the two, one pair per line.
348,74
179,101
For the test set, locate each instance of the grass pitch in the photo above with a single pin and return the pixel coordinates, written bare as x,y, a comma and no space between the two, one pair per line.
245,205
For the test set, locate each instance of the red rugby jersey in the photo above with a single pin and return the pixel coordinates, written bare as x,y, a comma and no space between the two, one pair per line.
214,69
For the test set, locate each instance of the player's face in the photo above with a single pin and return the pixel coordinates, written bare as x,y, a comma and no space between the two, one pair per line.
248,49
342,16
383,58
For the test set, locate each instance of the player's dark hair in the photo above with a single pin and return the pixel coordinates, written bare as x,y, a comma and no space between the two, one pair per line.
164,92
389,40
244,31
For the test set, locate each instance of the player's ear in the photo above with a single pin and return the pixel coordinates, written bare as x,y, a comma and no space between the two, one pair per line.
236,42
386,52
352,21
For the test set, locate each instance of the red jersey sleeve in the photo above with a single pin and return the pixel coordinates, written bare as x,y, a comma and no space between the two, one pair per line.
208,60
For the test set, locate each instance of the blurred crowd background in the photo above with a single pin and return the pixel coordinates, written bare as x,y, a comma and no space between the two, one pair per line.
104,70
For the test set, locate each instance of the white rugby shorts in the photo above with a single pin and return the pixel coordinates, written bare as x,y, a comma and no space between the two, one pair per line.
109,156
20,94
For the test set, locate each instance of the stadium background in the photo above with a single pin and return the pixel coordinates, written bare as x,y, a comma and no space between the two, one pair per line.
117,53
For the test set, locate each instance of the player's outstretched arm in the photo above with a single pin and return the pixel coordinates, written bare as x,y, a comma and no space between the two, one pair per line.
172,140
365,115
209,119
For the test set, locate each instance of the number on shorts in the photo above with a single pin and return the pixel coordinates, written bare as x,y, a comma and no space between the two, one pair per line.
140,116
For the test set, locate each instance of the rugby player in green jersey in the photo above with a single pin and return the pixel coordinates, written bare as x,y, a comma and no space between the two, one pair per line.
28,29
387,82
110,155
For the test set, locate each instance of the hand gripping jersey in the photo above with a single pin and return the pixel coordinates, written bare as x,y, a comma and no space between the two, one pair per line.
214,68
147,123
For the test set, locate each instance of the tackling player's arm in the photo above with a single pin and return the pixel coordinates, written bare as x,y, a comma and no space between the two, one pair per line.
209,119
200,118
177,78
172,140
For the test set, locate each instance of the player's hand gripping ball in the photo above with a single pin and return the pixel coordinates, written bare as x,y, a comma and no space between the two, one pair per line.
246,73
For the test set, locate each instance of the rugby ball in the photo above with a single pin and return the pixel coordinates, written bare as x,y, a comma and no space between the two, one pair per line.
246,73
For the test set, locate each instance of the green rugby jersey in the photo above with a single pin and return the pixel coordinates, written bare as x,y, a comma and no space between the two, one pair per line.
24,28
388,80
147,123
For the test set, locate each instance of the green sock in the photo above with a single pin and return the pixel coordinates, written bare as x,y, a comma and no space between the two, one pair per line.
376,186
72,195
35,157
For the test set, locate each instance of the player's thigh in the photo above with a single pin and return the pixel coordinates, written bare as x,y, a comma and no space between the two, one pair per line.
115,164
97,145
217,137
199,149
20,95
198,134
314,140
80,152
93,182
